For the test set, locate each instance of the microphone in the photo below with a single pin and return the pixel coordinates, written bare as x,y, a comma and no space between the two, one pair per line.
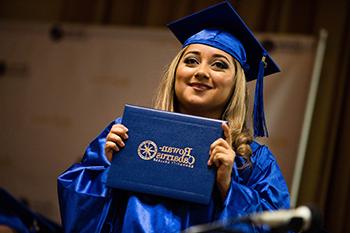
301,219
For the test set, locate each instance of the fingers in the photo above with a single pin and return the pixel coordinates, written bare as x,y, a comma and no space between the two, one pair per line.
218,159
221,150
109,148
120,130
227,142
227,133
219,143
221,155
115,140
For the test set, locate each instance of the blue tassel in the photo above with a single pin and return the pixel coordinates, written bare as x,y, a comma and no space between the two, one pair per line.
260,128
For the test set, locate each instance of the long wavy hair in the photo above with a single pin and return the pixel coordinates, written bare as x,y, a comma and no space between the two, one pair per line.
235,112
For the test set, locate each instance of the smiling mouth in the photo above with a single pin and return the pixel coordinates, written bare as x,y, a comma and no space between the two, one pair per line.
200,86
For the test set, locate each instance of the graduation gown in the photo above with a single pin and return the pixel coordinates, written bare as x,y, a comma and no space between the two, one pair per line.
88,205
18,217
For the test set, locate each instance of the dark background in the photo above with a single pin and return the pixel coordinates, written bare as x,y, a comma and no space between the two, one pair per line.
326,178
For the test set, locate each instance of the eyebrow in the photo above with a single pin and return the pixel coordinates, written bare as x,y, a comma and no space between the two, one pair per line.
215,55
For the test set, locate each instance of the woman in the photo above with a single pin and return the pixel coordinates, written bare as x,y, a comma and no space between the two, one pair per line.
207,78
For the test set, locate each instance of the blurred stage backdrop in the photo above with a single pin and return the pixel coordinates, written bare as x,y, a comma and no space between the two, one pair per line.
60,85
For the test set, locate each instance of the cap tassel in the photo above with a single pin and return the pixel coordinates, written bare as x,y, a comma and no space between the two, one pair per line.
260,128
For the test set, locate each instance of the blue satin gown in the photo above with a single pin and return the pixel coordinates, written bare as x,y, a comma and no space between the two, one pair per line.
88,205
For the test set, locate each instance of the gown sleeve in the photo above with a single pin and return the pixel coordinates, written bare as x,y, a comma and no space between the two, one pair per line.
83,195
255,189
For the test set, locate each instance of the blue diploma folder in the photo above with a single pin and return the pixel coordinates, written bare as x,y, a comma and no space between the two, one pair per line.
166,154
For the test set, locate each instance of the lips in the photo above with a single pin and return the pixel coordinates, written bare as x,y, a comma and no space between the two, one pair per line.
200,86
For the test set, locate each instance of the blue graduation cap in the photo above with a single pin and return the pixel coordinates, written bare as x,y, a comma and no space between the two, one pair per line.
221,27
19,217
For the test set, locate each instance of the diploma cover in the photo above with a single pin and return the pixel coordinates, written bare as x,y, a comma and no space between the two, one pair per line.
166,154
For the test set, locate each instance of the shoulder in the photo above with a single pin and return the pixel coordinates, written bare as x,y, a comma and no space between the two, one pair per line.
263,162
262,155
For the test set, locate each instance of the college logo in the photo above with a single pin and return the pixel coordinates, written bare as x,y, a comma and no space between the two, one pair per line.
147,150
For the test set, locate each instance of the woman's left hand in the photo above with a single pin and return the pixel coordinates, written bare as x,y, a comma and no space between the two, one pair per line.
223,156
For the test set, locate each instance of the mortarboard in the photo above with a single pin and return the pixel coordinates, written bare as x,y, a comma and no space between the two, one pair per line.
221,27
19,217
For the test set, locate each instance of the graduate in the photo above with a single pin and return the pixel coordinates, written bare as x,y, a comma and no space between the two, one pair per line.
206,78
17,217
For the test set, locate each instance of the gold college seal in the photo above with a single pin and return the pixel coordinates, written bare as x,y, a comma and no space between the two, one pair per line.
147,150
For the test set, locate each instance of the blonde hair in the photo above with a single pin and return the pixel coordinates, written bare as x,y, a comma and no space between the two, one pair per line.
235,111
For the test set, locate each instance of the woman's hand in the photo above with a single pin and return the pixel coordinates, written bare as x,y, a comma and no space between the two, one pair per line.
115,140
223,156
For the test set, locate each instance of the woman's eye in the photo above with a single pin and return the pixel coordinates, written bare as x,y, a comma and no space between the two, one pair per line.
221,65
190,60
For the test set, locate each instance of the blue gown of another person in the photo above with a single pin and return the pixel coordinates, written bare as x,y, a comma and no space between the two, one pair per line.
88,205
18,217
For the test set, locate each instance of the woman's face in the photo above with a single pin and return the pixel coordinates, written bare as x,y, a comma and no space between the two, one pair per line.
204,81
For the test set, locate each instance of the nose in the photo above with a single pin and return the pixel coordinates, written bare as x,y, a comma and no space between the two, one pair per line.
202,71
